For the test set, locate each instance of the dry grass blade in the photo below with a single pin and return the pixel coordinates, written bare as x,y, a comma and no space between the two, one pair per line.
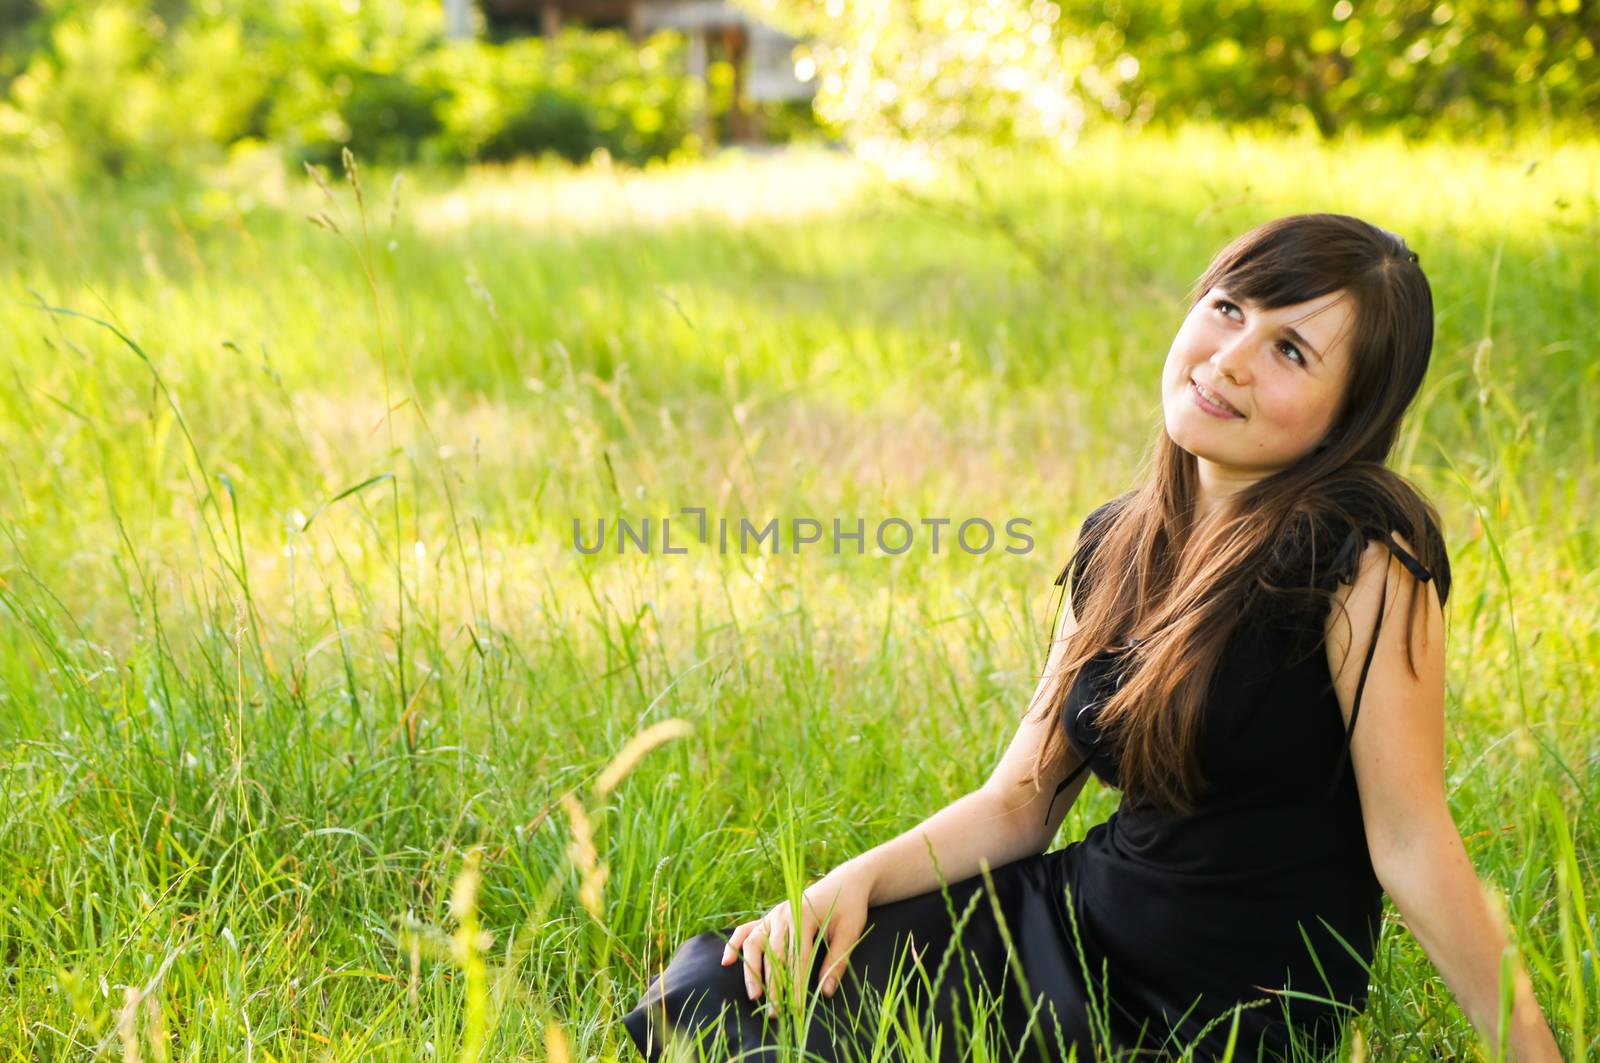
637,747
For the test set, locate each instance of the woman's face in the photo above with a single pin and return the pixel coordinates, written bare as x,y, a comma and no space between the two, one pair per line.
1281,371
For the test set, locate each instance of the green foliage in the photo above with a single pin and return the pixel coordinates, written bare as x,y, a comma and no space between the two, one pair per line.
120,89
21,33
139,87
1414,65
938,72
344,76
572,95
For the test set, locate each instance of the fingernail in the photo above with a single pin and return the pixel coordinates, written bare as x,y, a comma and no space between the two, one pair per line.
829,985
750,988
727,954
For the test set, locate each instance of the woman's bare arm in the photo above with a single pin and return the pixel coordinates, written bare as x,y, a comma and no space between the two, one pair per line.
1397,752
1001,821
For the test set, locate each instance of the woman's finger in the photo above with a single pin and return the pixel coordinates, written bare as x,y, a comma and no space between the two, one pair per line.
805,945
730,951
773,956
752,961
766,979
843,936
777,936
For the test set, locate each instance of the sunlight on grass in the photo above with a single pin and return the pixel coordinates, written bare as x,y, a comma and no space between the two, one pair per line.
734,188
295,635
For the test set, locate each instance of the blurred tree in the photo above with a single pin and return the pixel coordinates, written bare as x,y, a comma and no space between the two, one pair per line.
1417,65
118,87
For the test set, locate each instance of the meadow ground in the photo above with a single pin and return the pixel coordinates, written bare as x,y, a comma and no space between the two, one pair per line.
295,641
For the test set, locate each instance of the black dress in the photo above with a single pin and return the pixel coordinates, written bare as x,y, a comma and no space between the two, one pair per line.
1138,940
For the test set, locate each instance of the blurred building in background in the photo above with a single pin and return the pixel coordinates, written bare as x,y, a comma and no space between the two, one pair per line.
759,54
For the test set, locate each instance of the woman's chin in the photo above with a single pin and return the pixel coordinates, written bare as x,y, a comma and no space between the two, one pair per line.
1203,449
1187,438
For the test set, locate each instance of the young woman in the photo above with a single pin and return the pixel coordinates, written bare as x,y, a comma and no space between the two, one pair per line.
1226,618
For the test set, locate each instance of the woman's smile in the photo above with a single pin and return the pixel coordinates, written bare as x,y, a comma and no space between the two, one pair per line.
1211,403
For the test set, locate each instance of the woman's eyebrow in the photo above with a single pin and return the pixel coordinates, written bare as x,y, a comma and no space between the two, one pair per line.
1301,340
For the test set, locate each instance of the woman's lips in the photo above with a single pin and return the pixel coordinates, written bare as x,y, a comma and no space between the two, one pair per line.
1210,407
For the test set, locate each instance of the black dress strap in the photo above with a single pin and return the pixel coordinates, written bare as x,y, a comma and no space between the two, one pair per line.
1072,775
1353,546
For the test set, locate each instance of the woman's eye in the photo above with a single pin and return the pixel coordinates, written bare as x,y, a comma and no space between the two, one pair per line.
1224,305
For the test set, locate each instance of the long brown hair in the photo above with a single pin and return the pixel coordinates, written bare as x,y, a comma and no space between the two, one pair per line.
1180,588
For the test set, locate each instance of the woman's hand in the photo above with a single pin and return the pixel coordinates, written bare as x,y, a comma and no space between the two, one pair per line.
835,904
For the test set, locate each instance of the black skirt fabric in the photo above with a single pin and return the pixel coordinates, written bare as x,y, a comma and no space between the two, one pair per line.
946,946
1252,920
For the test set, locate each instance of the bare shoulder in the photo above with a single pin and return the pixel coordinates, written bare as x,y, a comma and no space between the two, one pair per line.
1380,577
1397,743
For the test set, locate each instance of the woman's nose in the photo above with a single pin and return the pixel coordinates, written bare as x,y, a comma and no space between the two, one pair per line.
1232,361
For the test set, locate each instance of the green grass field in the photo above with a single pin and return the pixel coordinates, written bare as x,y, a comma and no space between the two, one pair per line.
293,630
